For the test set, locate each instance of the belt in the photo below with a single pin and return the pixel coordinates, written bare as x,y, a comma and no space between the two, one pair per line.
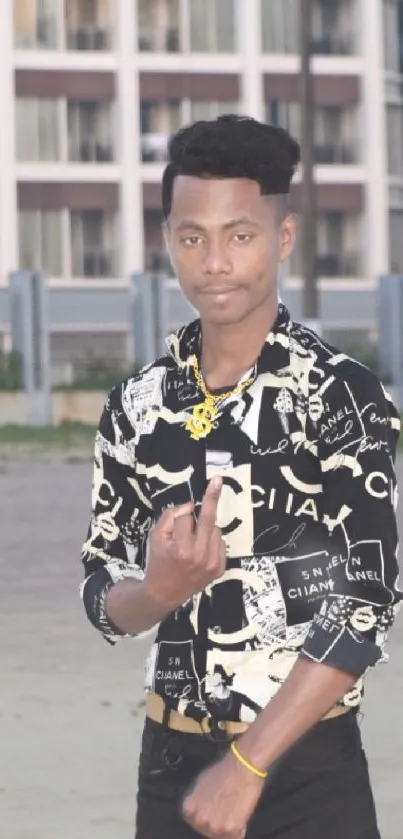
215,729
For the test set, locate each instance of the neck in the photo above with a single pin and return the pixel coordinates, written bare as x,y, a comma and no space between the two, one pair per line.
228,351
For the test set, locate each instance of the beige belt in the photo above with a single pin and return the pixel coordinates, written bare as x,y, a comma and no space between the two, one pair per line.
178,722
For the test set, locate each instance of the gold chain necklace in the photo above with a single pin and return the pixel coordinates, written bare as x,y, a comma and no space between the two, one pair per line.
201,422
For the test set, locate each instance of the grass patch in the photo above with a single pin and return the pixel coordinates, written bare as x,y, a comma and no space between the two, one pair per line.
66,436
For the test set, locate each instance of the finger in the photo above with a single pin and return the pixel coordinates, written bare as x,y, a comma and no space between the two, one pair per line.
166,521
182,535
208,515
217,553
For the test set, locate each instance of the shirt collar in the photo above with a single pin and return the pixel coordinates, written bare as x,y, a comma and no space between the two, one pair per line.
275,353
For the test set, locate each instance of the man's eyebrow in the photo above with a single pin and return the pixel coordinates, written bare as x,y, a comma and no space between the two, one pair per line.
188,224
236,222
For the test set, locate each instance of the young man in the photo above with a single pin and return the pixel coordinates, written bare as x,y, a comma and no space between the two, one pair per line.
244,501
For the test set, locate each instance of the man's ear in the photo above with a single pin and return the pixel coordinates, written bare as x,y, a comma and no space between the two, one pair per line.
288,236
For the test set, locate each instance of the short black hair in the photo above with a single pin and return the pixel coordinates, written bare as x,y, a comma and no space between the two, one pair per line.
232,146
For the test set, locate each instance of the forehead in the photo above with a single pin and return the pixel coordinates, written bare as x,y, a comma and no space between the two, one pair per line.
218,200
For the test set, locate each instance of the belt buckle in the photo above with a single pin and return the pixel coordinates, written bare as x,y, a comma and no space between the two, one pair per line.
215,730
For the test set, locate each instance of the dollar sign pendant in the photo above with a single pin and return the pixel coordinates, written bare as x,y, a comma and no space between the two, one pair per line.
201,421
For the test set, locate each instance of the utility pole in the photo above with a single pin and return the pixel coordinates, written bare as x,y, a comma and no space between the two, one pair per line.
308,187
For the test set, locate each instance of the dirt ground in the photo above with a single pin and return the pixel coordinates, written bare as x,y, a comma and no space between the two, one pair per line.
71,706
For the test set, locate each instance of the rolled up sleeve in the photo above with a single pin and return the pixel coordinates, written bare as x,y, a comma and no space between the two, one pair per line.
120,515
356,445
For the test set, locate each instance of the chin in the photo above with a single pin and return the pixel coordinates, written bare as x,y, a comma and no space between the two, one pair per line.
222,317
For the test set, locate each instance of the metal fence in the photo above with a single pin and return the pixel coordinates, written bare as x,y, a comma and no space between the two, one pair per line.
345,305
151,307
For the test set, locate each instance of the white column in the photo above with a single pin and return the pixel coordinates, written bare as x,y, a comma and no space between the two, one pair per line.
374,139
8,187
128,117
249,39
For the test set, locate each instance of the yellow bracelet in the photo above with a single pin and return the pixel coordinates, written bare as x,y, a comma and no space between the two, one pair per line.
246,763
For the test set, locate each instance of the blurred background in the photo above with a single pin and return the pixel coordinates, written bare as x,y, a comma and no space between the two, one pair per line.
90,91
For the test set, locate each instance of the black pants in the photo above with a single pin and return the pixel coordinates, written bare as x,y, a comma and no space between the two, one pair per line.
320,790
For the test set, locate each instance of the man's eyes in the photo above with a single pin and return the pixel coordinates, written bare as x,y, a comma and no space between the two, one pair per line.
191,240
243,237
194,240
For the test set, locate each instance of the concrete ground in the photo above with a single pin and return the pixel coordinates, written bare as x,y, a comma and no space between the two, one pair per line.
71,706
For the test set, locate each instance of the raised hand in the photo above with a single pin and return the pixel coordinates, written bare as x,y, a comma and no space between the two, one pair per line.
185,557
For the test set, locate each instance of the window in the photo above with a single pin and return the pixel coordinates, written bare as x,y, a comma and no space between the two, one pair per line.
328,125
36,23
334,27
212,25
338,246
280,26
395,139
336,138
158,121
90,131
93,244
156,257
161,119
396,241
393,35
194,25
211,110
88,24
330,233
37,129
331,26
158,26
335,129
40,241
285,115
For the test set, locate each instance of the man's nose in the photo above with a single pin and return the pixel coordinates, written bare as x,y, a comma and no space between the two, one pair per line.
217,259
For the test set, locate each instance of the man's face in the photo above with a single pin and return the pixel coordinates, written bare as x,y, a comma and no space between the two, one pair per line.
225,241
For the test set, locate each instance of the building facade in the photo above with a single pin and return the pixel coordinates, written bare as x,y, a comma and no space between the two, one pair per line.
90,91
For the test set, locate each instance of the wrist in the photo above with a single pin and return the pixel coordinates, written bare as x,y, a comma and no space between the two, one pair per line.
249,768
153,600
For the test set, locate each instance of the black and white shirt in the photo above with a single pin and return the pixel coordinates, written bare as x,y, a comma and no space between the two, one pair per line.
308,513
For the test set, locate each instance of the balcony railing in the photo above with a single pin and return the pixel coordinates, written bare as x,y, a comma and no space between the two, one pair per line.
94,263
89,39
338,265
333,153
159,40
91,151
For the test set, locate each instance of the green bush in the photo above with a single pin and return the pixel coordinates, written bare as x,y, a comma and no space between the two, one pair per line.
97,374
364,351
10,370
370,357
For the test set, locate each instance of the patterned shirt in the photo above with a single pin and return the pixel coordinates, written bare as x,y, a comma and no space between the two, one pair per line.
307,511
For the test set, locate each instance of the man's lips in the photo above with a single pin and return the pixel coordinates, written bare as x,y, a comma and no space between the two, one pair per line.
217,290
